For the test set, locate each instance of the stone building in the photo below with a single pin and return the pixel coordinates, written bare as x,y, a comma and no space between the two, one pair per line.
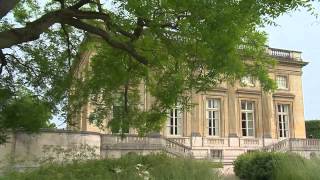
238,117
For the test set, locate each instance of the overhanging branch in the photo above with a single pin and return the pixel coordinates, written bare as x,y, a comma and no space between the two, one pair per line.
107,37
6,6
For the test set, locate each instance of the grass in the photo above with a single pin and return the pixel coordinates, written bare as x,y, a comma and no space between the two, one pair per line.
276,166
129,167
297,169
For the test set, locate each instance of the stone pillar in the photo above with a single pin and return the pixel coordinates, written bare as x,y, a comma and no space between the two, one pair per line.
196,114
232,103
267,117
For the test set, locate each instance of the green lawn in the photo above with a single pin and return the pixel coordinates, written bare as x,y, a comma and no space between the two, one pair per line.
129,167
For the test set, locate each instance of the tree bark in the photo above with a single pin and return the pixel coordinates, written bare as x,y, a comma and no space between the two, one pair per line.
6,6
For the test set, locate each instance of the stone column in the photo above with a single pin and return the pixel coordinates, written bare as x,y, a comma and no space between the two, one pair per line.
232,103
267,110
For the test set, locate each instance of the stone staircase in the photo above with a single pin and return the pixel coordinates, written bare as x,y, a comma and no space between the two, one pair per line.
177,149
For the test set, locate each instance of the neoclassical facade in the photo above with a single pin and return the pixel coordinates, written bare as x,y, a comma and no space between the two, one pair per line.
237,115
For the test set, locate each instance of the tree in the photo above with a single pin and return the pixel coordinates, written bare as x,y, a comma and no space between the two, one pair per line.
21,112
313,129
173,47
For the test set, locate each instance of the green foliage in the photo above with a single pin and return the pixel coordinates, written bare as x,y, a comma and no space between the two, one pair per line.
22,112
188,47
131,167
275,166
255,166
297,168
313,129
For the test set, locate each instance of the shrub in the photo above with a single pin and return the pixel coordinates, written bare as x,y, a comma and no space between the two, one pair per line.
276,166
255,165
129,167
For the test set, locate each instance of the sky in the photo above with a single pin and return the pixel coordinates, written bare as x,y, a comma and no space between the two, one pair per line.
300,31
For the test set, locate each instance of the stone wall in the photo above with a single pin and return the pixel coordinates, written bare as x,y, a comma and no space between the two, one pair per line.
27,150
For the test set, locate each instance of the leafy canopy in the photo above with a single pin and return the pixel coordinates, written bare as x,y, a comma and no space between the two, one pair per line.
21,111
169,48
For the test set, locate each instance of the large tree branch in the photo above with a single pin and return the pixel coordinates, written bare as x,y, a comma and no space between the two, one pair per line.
107,37
33,29
6,6
70,16
30,32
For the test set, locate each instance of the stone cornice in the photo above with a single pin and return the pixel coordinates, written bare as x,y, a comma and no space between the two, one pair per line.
248,91
287,61
283,95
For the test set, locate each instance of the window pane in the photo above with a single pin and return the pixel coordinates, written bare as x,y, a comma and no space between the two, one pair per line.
216,123
244,132
285,108
210,131
216,103
285,127
243,105
280,126
243,116
244,124
249,105
214,114
250,124
250,117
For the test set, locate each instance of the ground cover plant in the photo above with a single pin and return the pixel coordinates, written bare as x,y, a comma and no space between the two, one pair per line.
129,167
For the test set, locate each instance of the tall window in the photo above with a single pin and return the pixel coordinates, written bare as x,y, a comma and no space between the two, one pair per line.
282,82
283,120
213,116
247,118
174,122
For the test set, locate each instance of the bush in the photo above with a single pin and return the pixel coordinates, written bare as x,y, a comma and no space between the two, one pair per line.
313,129
276,166
129,167
255,165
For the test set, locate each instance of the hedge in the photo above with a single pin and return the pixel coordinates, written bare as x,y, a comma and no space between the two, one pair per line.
313,128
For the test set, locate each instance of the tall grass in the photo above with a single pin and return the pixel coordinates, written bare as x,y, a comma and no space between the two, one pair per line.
297,168
276,166
129,167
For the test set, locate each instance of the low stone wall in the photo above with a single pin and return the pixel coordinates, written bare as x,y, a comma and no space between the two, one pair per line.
28,150
116,146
